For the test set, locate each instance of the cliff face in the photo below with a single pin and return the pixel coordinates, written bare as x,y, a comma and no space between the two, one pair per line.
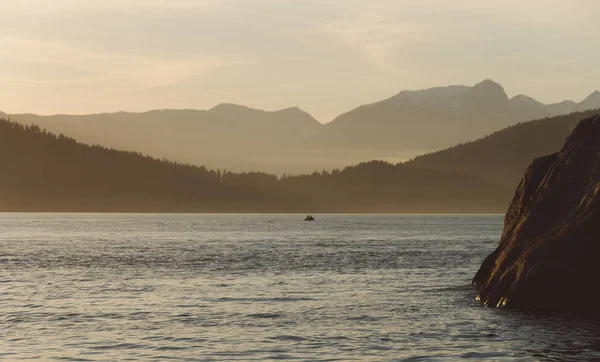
549,254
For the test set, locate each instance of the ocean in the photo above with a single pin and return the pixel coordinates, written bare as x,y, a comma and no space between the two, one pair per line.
169,287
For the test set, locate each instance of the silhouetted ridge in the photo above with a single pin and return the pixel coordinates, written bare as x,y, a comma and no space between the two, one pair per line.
592,101
230,107
525,100
256,115
449,96
44,172
488,90
503,156
241,138
487,97
297,112
437,118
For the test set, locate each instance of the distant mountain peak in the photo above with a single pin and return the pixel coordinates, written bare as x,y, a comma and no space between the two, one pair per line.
431,97
523,97
295,111
490,85
569,102
486,82
590,102
290,115
292,110
241,108
525,100
298,114
229,107
487,95
595,95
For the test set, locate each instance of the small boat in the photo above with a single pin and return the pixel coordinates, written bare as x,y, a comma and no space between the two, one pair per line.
309,218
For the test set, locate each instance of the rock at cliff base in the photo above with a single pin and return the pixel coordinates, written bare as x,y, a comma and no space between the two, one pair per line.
549,254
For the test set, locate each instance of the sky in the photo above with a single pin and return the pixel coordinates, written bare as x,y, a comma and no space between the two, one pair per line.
324,56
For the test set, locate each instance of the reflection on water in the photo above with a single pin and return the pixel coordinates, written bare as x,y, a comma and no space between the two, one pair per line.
243,287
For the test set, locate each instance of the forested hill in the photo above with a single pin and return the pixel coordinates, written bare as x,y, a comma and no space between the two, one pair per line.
41,171
45,172
503,156
290,140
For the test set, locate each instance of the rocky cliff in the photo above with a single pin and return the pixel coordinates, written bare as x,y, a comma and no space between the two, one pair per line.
549,254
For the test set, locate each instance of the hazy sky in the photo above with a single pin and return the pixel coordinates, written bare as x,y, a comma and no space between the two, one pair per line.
325,56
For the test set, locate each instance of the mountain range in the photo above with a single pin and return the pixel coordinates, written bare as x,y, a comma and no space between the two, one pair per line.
441,117
45,172
239,138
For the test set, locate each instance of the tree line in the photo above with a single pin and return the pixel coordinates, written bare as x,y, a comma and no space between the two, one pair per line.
42,171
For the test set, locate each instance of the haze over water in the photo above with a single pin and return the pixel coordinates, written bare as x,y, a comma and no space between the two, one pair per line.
107,287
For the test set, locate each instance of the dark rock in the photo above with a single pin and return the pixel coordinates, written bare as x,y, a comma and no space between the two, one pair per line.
549,254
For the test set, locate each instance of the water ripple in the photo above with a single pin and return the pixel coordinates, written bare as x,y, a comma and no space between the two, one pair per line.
262,287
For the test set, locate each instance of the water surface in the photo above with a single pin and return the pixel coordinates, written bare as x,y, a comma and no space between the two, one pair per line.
114,287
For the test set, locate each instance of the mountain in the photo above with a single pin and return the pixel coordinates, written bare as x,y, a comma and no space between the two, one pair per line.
503,156
592,101
292,118
240,138
530,108
45,172
226,136
440,117
566,107
487,97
